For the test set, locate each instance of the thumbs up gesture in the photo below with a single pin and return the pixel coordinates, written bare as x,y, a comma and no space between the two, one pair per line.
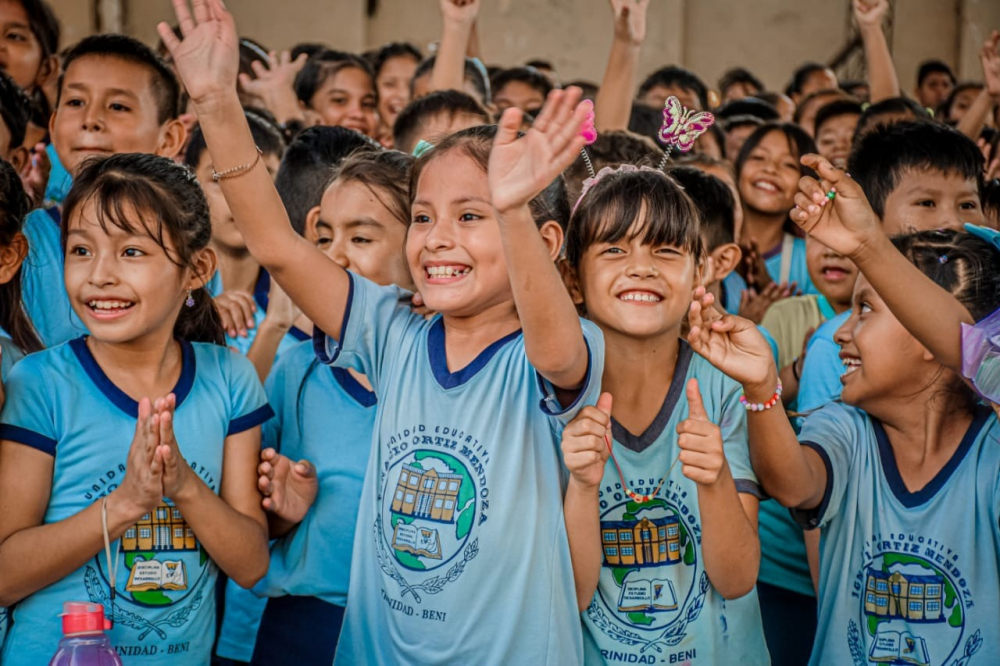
584,447
702,459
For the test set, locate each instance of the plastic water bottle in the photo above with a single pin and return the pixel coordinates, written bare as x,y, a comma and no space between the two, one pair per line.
84,642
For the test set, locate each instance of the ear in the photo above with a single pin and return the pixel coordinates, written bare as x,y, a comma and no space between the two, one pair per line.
572,281
19,158
173,138
12,256
205,262
312,219
725,259
553,236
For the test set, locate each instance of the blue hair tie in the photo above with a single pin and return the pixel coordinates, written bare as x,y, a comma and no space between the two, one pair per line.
991,236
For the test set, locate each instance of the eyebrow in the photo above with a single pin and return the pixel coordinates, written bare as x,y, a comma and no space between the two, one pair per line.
113,91
364,222
471,199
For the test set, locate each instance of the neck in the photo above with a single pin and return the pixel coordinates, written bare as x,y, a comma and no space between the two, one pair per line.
150,359
766,229
638,370
239,269
927,425
467,336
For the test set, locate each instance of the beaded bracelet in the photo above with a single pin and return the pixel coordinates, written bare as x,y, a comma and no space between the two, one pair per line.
237,171
762,406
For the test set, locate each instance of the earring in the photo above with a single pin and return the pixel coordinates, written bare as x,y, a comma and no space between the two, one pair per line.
190,300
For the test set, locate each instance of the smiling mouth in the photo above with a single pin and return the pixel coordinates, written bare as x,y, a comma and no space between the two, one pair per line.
109,308
770,188
446,274
640,297
851,364
834,273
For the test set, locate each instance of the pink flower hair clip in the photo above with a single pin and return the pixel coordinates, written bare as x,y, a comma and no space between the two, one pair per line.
681,127
589,134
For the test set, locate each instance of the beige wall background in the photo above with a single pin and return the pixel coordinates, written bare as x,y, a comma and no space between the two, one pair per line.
770,37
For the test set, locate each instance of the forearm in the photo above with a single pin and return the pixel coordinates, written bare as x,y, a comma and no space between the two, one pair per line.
553,336
265,346
789,383
278,527
971,124
449,64
613,105
725,530
882,80
581,509
474,48
34,558
811,537
236,542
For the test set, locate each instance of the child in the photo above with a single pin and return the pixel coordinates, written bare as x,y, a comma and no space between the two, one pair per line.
448,484
523,87
935,81
886,473
115,96
887,112
834,125
181,497
612,148
738,83
394,66
808,106
436,115
673,81
809,78
474,79
338,89
671,550
31,33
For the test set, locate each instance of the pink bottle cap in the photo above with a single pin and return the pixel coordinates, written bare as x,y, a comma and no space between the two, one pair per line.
81,618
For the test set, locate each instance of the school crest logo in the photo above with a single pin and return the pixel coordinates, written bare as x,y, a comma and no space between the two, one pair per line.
912,613
650,589
430,504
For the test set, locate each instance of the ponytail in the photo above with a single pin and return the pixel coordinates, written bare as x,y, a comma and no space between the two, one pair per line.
200,322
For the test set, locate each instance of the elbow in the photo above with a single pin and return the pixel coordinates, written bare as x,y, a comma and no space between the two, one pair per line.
565,370
253,574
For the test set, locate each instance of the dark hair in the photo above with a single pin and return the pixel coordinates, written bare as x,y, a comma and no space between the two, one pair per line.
394,50
801,75
474,73
163,83
14,207
613,148
739,75
748,106
309,48
929,67
859,90
714,201
385,173
645,121
411,119
990,198
264,133
323,66
589,88
835,109
806,102
251,51
529,76
673,76
882,156
607,212
944,111
736,122
43,24
889,107
15,110
168,202
539,63
476,142
306,167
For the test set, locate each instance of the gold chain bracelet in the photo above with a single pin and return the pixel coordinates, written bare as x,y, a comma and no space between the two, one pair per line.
237,171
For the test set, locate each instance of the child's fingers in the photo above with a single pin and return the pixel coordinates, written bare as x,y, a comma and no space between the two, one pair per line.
268,454
575,445
304,469
544,117
166,34
583,459
696,408
265,486
604,403
591,421
508,126
201,11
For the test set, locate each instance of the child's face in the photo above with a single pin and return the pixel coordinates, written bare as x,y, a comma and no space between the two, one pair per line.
735,138
834,138
21,55
770,176
807,118
453,246
347,99
739,90
963,101
823,79
108,106
123,286
394,87
637,290
355,230
833,274
930,199
934,90
520,95
656,97
226,237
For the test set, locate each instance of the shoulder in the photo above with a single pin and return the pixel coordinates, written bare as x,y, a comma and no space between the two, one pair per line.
293,362
836,423
59,361
211,359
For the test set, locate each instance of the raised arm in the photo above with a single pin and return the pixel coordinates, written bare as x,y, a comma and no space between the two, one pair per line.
459,17
519,170
613,105
971,124
206,60
882,79
849,226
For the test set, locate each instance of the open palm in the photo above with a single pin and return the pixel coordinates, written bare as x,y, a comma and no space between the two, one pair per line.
207,57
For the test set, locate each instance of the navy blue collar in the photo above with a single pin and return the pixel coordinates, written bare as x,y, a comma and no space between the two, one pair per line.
262,295
438,356
55,215
353,387
895,479
121,400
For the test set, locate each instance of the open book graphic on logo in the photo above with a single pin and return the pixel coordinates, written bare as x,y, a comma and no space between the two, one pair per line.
424,541
155,575
647,596
899,647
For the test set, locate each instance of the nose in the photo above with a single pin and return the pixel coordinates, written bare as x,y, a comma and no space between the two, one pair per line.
641,265
103,271
845,334
338,252
440,235
93,118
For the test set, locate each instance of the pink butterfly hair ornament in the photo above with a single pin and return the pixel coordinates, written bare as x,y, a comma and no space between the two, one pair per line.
589,134
681,127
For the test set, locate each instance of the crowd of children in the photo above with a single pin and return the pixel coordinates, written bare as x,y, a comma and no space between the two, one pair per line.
317,357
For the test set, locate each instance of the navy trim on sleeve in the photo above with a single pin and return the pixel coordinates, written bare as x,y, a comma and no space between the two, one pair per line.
550,403
251,420
750,488
28,438
810,519
319,337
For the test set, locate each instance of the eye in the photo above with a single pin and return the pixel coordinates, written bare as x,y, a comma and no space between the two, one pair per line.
360,240
421,219
790,165
369,104
339,101
926,203
668,251
469,217
613,250
17,37
865,308
133,252
79,251
115,106
969,205
73,102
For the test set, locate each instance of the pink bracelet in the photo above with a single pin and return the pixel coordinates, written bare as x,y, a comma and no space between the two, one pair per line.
761,406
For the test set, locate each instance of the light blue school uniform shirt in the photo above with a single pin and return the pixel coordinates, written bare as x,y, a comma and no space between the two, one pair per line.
11,354
261,293
905,577
60,179
45,297
654,602
460,553
59,401
822,368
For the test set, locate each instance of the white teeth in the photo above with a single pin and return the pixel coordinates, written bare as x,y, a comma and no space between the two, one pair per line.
110,305
763,185
645,297
851,364
447,271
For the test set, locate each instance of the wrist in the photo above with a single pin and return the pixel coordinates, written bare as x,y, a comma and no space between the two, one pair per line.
275,324
187,488
723,482
217,105
123,512
458,27
764,390
871,248
582,487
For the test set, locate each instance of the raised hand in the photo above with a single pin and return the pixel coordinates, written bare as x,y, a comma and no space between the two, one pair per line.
177,474
753,268
702,458
630,20
755,303
730,343
207,57
281,311
463,12
236,309
989,56
848,224
870,13
584,447
520,168
275,82
142,488
289,488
